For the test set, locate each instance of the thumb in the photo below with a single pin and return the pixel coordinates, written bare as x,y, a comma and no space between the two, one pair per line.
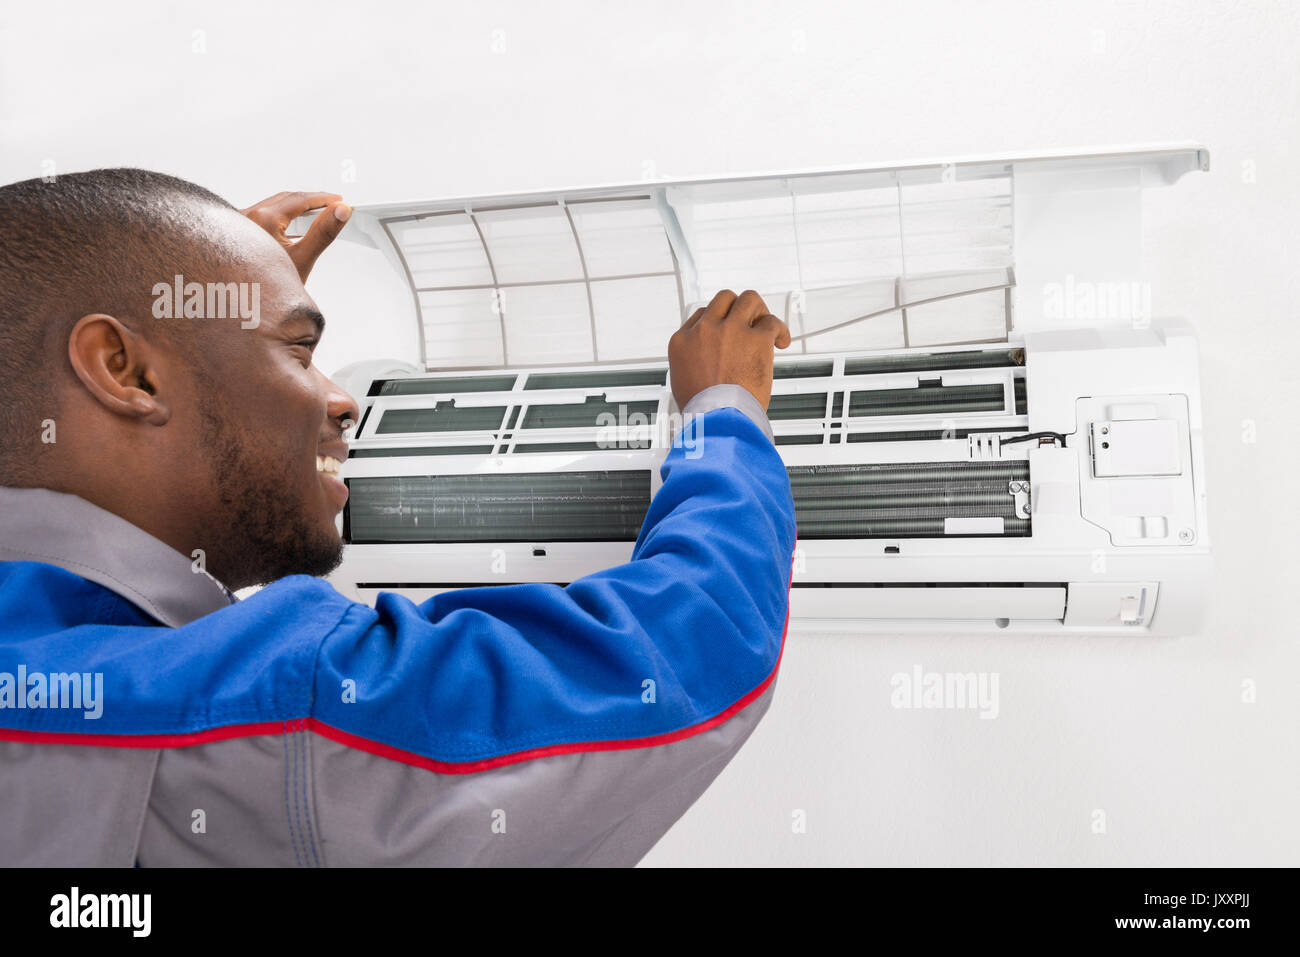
325,228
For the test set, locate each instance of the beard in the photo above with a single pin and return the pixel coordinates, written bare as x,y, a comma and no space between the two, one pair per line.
267,528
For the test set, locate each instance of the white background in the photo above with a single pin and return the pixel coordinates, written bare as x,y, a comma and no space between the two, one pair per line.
426,100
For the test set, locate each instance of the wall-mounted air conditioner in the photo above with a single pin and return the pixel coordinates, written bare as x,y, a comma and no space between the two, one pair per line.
984,427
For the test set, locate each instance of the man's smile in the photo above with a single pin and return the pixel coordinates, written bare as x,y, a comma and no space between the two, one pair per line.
329,461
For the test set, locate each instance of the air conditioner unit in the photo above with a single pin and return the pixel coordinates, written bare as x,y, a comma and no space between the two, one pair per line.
984,427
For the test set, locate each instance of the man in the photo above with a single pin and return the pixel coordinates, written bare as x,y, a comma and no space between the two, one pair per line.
155,457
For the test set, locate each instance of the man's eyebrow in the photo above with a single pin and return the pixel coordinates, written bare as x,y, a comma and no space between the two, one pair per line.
308,314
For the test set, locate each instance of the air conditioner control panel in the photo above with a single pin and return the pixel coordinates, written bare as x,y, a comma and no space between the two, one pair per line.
1136,472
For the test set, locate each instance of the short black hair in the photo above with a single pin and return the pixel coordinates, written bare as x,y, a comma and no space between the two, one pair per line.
72,245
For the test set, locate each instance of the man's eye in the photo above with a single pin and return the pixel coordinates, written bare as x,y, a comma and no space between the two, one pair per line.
305,351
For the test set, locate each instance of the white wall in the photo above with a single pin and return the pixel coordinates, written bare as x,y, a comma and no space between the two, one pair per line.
420,104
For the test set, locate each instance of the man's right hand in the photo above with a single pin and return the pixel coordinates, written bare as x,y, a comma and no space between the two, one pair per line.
729,341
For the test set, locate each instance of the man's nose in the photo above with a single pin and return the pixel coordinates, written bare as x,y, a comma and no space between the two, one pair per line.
341,407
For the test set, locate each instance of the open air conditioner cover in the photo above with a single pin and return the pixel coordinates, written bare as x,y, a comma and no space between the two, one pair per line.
926,251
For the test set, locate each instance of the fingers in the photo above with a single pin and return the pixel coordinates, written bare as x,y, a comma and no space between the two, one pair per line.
773,327
719,305
747,307
258,208
293,205
276,212
715,310
728,341
323,231
727,305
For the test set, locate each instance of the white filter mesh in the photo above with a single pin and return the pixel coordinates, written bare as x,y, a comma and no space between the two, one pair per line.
950,227
461,328
531,244
742,244
970,318
829,307
547,324
622,238
443,251
849,237
635,317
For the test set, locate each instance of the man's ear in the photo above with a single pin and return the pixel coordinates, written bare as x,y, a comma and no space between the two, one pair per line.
118,367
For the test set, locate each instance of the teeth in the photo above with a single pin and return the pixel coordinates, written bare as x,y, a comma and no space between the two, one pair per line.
328,465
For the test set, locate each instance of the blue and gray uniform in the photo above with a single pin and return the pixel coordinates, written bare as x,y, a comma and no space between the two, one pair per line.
520,724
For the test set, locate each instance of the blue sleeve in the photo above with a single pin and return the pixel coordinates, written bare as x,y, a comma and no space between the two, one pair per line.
662,647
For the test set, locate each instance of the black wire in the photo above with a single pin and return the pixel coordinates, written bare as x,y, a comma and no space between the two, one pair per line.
1036,435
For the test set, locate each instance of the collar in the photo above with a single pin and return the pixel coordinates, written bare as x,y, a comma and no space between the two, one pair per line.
40,525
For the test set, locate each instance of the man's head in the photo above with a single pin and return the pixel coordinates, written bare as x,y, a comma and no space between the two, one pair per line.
190,405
